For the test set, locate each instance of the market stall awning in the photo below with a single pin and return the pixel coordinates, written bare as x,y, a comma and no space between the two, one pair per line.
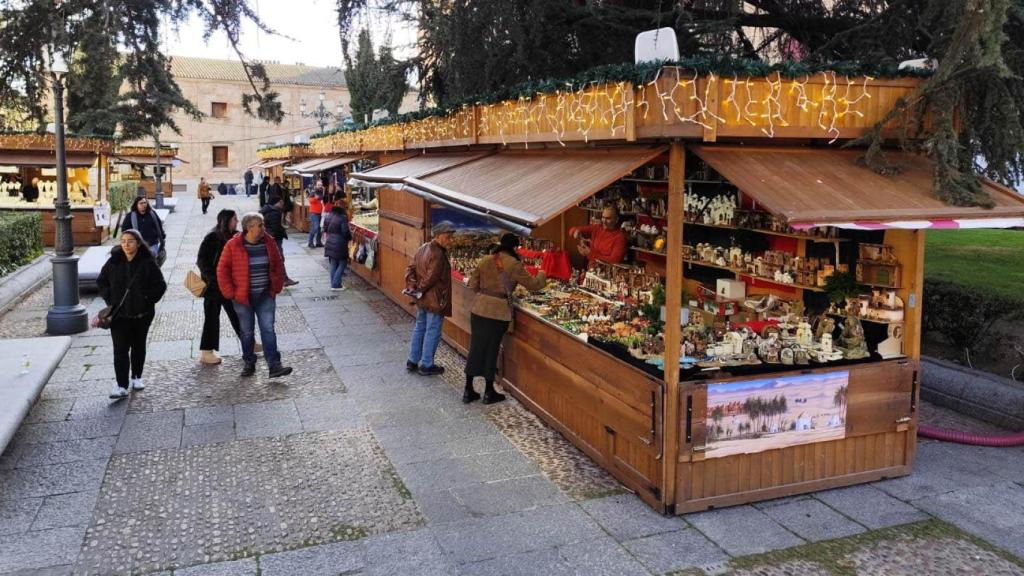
415,167
77,159
305,165
827,187
330,163
530,188
147,160
263,165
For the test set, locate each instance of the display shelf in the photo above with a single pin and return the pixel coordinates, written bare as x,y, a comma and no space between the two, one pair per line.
589,209
751,276
863,319
646,251
645,181
769,232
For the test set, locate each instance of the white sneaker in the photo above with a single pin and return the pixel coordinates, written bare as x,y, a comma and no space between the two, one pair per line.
339,289
137,384
117,393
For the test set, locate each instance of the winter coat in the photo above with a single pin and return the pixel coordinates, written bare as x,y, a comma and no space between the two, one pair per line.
147,224
273,221
209,255
431,274
491,300
233,269
338,237
147,289
204,190
247,177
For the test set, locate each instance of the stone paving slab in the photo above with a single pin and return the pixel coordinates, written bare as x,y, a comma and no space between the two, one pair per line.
186,384
626,517
40,549
743,530
870,506
242,498
677,550
812,520
994,513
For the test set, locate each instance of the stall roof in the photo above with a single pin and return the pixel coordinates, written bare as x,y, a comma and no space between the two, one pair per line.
263,164
334,163
45,159
532,187
306,165
415,167
149,160
827,187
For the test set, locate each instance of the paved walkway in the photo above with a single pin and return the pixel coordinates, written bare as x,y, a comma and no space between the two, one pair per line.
353,466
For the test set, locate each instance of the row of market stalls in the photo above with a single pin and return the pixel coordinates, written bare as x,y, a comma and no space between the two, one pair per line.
28,178
760,337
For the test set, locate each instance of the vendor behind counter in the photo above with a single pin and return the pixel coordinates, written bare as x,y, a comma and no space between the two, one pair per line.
605,241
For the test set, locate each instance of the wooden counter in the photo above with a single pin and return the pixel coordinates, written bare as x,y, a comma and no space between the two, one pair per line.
83,226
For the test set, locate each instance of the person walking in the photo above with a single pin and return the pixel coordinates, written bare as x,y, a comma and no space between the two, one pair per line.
316,208
251,274
213,301
273,218
263,188
336,247
131,283
142,218
204,194
493,280
247,178
428,279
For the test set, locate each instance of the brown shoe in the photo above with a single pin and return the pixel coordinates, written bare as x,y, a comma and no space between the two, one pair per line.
257,348
209,357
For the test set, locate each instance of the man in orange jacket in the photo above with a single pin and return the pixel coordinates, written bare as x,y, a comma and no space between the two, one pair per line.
607,242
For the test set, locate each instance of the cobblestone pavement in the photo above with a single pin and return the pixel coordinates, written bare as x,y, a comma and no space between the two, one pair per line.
351,465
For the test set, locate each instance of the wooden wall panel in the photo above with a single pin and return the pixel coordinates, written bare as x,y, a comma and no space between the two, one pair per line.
392,275
402,206
83,228
608,409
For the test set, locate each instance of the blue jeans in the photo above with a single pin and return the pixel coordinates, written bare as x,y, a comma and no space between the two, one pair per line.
261,308
426,335
338,268
314,230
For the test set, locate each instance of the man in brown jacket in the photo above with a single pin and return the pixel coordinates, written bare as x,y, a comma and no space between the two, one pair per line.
429,281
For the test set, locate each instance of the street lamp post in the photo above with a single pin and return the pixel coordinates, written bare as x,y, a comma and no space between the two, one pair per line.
158,174
66,315
321,113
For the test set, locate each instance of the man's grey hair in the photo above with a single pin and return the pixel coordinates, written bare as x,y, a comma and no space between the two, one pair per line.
249,218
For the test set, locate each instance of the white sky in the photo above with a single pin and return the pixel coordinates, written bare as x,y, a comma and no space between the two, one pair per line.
312,28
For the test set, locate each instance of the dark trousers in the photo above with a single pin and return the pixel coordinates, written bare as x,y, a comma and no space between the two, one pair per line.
212,306
280,248
129,336
206,204
484,344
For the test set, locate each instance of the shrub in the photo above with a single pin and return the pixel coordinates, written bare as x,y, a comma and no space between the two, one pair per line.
963,315
21,239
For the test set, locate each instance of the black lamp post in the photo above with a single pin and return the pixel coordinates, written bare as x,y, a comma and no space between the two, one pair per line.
66,315
158,174
321,113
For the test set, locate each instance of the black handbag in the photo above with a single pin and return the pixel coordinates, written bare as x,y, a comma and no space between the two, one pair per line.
106,315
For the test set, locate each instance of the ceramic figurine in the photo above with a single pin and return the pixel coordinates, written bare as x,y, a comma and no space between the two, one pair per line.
851,341
804,335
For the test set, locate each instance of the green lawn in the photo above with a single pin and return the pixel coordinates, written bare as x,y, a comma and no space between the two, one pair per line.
992,259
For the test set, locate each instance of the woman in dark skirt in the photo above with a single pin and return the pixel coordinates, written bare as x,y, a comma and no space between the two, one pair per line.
495,277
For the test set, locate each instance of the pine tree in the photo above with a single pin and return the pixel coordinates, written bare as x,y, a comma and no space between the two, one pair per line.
95,79
375,82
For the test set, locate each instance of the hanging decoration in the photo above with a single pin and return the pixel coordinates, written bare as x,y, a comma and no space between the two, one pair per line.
37,141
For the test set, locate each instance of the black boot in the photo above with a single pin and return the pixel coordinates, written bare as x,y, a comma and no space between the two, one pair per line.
490,396
469,394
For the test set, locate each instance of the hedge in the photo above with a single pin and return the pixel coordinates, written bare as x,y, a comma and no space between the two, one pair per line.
21,239
963,315
121,195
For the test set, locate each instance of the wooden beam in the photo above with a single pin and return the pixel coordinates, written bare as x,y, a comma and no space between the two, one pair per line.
673,305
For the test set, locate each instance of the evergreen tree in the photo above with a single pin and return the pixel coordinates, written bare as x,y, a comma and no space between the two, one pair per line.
94,80
375,82
29,29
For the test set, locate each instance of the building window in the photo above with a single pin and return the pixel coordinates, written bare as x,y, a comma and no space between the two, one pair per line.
219,109
220,156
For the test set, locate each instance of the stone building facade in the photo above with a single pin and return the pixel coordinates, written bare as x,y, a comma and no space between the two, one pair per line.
224,142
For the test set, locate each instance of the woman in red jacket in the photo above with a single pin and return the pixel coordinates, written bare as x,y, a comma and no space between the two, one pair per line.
251,274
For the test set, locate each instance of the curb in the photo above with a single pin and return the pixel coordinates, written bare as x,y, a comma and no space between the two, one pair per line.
984,396
23,281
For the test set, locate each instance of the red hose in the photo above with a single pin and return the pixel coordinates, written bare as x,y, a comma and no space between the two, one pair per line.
996,440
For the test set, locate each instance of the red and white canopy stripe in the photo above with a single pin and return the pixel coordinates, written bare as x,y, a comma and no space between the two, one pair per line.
943,224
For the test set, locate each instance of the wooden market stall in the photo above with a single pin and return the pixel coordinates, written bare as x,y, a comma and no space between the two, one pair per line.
741,208
28,181
139,163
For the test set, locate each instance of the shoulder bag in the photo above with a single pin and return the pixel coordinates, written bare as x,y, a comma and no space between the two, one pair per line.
195,284
105,316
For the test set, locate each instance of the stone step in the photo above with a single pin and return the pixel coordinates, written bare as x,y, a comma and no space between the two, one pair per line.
22,384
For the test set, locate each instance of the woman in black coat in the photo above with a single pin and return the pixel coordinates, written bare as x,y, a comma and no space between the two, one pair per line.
336,245
213,301
141,217
130,282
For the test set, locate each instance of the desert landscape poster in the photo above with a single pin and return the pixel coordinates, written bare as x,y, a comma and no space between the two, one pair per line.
769,413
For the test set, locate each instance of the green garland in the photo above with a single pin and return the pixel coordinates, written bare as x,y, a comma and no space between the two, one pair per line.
66,134
643,73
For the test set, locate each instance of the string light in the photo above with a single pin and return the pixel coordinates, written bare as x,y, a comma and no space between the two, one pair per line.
33,141
600,111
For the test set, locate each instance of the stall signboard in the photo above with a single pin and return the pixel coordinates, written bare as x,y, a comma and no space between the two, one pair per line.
101,214
771,413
